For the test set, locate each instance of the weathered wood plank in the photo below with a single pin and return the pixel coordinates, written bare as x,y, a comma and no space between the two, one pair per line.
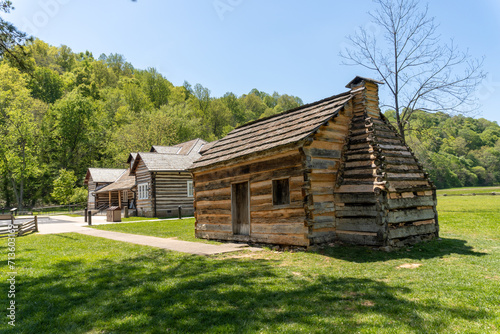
355,212
323,153
280,239
271,163
279,213
325,145
359,225
355,198
403,216
403,203
406,231
359,238
228,228
289,228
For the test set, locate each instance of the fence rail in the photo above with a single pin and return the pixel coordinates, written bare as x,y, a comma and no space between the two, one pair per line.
20,228
47,210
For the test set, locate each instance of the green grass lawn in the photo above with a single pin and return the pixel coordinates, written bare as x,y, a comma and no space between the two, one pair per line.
72,283
181,229
469,190
133,219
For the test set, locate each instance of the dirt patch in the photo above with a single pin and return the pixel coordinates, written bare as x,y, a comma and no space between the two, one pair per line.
409,266
239,256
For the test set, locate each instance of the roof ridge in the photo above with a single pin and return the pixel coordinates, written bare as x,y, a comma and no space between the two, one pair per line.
333,97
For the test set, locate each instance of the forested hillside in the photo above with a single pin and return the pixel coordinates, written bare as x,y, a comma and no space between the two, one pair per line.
69,110
456,151
64,110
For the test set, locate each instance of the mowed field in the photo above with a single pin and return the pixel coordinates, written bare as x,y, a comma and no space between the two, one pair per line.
72,283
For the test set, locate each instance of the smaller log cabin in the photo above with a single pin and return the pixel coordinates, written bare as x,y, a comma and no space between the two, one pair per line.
333,170
96,179
121,192
163,181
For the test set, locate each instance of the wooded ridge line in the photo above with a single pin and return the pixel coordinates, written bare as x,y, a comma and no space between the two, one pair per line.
71,110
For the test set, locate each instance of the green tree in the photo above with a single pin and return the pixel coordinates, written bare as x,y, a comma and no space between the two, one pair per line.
46,85
64,186
74,135
79,195
19,130
156,87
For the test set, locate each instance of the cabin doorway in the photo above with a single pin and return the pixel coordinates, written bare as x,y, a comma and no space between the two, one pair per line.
240,208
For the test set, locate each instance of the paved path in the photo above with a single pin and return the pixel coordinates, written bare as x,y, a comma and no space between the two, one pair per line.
197,248
66,224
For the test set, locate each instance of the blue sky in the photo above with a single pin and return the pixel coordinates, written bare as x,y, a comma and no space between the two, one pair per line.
286,46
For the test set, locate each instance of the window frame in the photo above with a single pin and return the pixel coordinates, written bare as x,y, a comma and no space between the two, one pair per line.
143,191
190,186
274,186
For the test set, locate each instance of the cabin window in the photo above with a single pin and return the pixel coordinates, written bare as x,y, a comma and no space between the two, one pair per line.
143,191
281,192
190,192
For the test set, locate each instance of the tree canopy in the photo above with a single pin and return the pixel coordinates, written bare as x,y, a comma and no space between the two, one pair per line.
70,111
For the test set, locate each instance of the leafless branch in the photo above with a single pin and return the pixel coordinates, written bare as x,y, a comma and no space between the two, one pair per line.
419,70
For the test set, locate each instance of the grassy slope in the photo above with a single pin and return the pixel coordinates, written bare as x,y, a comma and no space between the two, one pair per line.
79,284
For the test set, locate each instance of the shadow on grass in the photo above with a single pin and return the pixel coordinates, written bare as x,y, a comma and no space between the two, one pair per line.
158,292
421,251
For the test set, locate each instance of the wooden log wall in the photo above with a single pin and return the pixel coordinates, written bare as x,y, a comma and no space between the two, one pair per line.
282,224
102,200
91,205
171,192
145,207
322,159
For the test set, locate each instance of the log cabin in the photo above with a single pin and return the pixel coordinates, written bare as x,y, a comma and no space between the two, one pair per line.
120,193
163,181
96,179
334,170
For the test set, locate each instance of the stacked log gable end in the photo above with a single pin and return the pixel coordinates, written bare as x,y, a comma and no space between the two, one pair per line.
333,170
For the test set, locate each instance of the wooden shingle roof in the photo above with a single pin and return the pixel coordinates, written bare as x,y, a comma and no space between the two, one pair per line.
182,148
124,182
157,162
170,158
165,149
103,174
274,131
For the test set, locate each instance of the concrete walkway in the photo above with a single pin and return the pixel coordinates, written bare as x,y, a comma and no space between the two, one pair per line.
66,224
196,248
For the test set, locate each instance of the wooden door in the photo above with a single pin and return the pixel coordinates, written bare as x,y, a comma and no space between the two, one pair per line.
240,208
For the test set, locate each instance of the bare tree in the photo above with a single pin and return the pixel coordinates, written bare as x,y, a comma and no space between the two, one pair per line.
420,71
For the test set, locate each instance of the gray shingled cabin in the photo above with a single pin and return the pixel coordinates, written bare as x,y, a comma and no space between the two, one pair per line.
333,170
95,180
162,178
121,192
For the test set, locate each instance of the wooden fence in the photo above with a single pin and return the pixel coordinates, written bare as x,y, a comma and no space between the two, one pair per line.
20,228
